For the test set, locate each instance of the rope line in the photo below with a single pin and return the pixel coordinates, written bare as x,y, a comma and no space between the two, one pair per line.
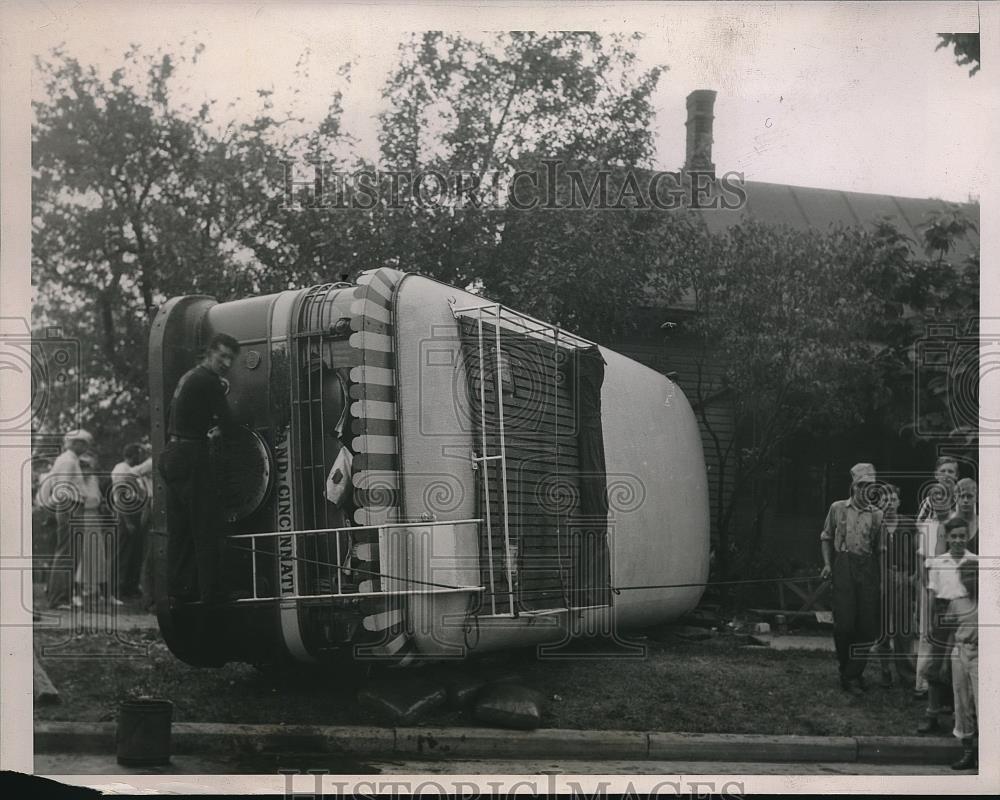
620,589
334,566
616,589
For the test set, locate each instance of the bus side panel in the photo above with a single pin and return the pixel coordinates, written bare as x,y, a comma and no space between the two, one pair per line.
437,475
657,491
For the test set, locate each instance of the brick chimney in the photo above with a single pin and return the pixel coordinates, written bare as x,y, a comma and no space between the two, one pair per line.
700,105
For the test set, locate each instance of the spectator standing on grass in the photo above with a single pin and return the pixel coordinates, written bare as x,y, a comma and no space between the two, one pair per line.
96,550
852,541
940,507
130,501
931,542
899,595
965,665
144,471
62,491
944,586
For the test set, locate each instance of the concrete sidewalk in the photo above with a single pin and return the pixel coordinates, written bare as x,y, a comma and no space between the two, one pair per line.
466,743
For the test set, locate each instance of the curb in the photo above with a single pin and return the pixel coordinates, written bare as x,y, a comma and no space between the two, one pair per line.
443,743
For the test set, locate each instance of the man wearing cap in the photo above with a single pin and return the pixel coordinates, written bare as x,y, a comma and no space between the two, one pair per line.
198,412
63,491
852,541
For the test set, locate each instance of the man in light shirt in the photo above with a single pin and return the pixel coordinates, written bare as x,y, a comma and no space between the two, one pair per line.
130,498
944,585
63,491
853,542
94,574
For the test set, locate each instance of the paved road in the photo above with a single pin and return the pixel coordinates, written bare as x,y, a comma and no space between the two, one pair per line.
77,764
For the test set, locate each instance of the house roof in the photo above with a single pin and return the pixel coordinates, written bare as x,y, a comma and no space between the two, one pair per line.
802,207
805,207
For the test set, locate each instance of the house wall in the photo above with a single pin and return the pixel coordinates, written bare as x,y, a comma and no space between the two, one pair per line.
678,354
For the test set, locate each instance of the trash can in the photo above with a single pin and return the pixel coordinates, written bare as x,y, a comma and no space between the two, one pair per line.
143,734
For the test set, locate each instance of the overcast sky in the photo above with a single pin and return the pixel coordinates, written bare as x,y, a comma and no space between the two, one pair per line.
841,96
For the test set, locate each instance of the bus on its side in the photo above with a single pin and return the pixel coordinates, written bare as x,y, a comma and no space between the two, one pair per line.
421,473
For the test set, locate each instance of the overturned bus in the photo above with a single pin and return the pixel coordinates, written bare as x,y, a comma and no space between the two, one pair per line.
421,473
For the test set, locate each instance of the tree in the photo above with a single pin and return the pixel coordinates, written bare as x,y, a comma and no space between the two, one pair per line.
930,361
138,197
812,331
509,103
775,340
965,47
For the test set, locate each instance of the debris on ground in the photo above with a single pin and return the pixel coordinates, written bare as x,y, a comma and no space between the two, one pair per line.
510,705
402,700
463,689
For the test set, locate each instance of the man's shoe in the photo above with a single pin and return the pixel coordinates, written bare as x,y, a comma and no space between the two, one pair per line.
851,686
969,759
929,725
861,683
886,682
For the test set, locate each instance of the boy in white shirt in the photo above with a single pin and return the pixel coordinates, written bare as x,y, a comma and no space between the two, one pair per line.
944,586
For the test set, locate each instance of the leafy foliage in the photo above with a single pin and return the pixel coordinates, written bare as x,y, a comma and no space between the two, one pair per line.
137,198
812,331
965,47
504,105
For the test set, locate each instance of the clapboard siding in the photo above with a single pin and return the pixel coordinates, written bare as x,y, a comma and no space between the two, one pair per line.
681,356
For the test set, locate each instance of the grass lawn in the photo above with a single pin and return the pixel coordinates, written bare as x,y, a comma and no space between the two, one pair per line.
705,687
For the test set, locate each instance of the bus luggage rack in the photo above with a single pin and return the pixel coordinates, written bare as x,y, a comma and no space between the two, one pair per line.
502,587
334,563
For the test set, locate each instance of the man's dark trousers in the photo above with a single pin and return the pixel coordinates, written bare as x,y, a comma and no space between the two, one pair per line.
194,523
855,610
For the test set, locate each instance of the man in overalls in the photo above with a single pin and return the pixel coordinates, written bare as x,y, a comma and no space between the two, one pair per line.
853,540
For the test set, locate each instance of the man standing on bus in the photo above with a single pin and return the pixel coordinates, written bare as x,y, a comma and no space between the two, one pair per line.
199,414
853,542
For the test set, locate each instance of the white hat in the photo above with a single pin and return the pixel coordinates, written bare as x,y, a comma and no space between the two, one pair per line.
863,473
78,435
